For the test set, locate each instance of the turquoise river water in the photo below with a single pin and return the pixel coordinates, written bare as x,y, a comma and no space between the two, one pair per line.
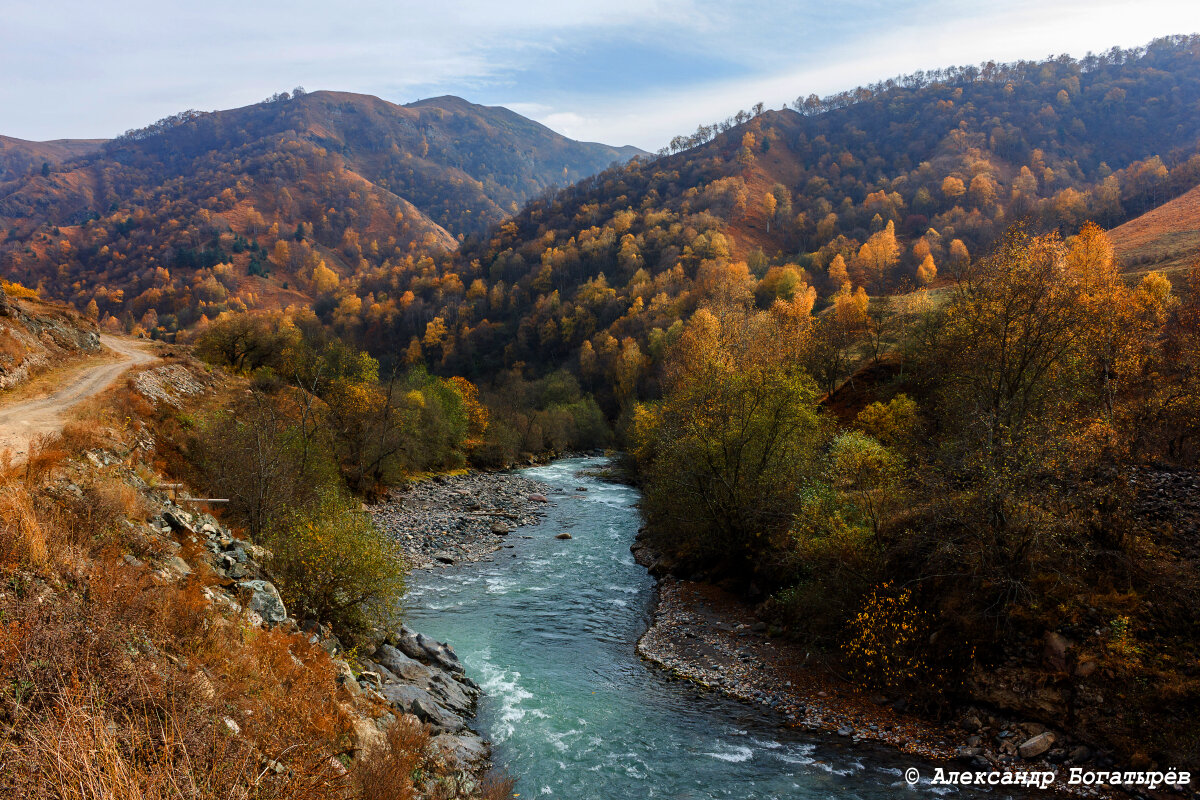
548,628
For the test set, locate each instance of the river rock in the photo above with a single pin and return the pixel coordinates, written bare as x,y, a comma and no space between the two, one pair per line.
439,653
452,694
1032,748
500,529
400,665
264,600
563,535
1080,754
539,498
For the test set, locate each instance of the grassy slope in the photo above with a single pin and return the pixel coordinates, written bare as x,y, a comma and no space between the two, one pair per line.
1166,238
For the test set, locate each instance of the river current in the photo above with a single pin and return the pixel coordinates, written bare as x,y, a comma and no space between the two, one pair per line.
548,628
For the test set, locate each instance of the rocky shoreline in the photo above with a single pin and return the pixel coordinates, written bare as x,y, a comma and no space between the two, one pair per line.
701,634
452,519
406,671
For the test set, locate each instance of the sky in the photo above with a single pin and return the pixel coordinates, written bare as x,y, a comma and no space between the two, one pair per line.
617,71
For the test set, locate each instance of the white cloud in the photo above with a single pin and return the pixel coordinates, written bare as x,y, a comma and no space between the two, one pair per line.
75,68
1030,31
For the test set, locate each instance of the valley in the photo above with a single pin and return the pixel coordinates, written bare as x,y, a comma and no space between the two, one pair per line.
835,440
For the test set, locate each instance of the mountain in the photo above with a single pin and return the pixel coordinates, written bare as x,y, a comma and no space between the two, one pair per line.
267,194
864,187
19,157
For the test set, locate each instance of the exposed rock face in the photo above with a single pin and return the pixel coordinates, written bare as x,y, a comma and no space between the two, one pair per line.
423,677
36,336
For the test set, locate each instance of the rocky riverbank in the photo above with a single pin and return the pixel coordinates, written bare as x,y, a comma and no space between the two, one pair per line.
405,671
455,519
702,634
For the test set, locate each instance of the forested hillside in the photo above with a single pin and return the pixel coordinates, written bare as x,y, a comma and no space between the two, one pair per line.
907,183
270,204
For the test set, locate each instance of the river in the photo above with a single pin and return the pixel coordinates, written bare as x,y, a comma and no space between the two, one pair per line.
548,628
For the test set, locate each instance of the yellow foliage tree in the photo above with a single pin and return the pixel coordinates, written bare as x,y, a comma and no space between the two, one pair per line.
927,271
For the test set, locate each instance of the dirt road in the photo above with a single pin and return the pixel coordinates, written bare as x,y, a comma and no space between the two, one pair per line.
22,421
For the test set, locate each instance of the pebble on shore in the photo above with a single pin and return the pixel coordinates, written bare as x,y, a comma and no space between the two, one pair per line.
701,634
460,518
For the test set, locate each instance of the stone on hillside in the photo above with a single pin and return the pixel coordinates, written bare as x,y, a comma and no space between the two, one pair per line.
180,566
178,520
467,749
1032,748
264,601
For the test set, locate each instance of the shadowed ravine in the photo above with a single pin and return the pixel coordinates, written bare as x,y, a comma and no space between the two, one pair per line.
548,628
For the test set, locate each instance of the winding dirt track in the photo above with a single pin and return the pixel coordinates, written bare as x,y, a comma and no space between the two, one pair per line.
22,421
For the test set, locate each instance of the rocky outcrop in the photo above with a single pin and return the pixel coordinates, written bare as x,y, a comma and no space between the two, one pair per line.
409,671
423,677
35,336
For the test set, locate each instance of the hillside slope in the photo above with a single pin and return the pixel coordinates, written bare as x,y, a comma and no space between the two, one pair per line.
36,336
1163,238
912,177
341,180
19,157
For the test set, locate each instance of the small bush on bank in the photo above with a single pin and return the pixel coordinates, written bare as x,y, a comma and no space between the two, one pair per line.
333,564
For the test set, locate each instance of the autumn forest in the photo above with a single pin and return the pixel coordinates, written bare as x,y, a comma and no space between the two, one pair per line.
891,365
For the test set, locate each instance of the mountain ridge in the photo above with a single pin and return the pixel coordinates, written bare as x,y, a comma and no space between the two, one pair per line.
330,180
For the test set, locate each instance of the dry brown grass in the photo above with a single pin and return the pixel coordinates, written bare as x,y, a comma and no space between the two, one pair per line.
85,433
1164,238
116,683
22,537
105,700
45,454
387,773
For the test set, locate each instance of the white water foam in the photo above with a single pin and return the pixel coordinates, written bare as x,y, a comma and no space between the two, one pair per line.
735,754
504,685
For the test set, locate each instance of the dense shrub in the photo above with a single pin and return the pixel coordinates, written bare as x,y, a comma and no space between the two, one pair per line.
334,565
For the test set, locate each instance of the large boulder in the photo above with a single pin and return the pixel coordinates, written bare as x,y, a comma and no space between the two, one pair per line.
1036,746
425,706
439,653
420,647
263,599
452,694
